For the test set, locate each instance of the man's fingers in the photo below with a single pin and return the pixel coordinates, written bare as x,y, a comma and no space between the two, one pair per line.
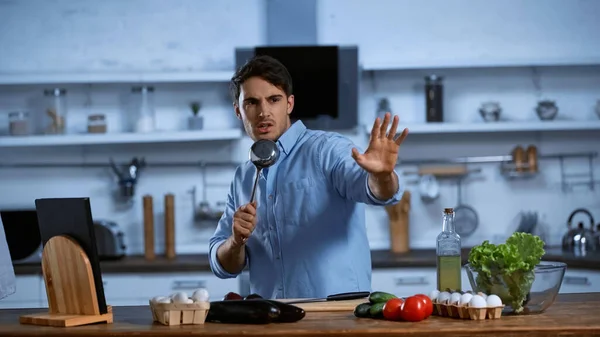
392,132
245,217
402,136
384,125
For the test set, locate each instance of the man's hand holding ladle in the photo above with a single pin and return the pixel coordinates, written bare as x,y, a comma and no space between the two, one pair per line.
244,222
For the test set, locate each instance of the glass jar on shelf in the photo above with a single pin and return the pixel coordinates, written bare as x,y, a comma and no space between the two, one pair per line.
143,105
96,123
19,123
55,111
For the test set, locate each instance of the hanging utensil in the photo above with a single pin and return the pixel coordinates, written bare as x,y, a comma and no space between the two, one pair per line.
465,216
263,154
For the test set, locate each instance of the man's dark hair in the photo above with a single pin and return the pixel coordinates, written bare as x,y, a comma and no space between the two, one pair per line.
265,67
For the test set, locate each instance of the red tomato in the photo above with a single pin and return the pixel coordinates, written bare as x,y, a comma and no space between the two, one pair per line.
414,309
392,310
427,302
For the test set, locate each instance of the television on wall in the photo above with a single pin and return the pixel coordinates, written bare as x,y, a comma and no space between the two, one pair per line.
325,82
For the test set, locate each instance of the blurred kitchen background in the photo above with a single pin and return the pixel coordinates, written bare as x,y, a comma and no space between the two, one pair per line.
509,127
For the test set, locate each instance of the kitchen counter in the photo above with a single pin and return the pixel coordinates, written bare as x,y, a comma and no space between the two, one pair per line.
381,259
572,314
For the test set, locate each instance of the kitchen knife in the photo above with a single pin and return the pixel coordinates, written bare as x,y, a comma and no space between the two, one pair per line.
335,297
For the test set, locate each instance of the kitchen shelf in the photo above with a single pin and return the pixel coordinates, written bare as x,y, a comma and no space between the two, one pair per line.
117,77
525,126
120,138
481,63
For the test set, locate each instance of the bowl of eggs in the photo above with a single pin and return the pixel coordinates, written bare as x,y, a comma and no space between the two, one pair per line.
178,308
466,305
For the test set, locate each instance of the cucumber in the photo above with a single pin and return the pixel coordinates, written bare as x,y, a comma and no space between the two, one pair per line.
376,310
380,297
362,310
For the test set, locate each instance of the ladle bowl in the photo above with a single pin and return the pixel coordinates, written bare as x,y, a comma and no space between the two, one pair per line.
264,153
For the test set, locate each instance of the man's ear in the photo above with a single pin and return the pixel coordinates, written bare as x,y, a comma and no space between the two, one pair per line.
236,108
290,104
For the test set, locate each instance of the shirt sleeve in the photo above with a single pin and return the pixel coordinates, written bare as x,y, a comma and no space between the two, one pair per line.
347,177
222,233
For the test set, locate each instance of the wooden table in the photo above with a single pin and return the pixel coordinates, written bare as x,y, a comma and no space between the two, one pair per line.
571,314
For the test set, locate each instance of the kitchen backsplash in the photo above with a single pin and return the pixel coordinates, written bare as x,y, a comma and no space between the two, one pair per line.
496,199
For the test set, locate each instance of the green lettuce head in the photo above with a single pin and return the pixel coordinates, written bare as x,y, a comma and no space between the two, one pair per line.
508,269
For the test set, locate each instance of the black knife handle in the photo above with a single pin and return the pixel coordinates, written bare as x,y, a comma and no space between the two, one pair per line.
348,296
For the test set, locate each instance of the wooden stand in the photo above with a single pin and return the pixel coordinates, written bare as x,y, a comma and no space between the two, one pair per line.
70,287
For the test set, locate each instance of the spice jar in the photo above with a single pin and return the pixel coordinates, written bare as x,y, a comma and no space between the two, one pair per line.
96,123
18,122
56,111
144,109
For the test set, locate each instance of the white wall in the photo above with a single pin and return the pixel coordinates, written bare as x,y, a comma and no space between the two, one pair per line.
120,36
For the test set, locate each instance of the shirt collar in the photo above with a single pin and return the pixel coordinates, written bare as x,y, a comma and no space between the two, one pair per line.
290,136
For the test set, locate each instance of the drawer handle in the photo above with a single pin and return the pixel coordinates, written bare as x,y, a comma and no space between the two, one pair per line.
187,285
578,280
405,281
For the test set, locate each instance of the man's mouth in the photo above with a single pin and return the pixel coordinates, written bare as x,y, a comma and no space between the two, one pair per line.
264,127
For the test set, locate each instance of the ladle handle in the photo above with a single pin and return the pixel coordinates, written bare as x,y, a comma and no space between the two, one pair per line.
254,188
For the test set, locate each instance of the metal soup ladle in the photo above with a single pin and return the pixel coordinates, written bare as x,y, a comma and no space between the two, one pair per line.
263,154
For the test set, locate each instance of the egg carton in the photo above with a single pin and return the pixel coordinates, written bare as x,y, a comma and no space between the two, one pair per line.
179,313
466,312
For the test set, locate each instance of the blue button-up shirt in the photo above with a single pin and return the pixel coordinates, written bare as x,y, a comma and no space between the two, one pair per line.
310,238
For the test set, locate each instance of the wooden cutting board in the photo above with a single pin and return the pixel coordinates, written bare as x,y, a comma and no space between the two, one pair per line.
348,305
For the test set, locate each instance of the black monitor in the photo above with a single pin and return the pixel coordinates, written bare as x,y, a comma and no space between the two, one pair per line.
325,82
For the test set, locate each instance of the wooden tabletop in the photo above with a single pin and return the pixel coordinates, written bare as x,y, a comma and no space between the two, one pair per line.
571,314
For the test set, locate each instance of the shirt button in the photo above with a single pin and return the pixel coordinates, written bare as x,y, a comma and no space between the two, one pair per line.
270,196
277,257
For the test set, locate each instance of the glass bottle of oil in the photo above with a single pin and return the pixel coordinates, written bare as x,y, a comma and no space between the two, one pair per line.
448,250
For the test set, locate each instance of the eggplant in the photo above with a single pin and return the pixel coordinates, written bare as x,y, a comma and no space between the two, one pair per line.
243,312
288,313
253,296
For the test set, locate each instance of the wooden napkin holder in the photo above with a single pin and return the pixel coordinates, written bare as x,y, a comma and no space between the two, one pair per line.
64,265
70,265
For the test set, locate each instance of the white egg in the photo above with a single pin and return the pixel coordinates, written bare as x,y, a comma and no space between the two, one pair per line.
482,295
200,295
454,298
494,301
465,299
443,297
477,301
433,295
189,300
163,299
180,297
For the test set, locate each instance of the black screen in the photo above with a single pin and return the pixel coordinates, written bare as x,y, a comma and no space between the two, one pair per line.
314,71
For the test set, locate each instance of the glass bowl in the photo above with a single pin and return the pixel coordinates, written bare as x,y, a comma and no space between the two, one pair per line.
547,278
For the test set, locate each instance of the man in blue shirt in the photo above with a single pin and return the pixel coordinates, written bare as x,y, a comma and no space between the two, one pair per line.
304,236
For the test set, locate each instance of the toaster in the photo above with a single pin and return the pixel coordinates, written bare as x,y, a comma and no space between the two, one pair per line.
109,240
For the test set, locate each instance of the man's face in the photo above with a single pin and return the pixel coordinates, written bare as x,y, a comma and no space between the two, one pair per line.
264,109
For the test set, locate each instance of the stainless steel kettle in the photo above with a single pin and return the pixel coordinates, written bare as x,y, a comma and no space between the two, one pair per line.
579,240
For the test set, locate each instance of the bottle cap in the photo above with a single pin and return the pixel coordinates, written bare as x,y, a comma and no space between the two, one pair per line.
448,210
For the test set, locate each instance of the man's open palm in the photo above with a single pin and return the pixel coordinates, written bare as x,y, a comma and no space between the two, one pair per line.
382,153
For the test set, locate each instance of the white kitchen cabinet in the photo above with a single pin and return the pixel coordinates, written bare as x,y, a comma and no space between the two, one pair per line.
137,289
580,281
29,292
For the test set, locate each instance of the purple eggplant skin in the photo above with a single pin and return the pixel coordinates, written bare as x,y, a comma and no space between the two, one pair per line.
253,296
243,312
288,313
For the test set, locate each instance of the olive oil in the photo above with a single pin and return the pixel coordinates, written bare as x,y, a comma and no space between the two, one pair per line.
448,273
448,252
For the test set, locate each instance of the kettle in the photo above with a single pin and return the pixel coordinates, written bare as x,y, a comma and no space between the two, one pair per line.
579,240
